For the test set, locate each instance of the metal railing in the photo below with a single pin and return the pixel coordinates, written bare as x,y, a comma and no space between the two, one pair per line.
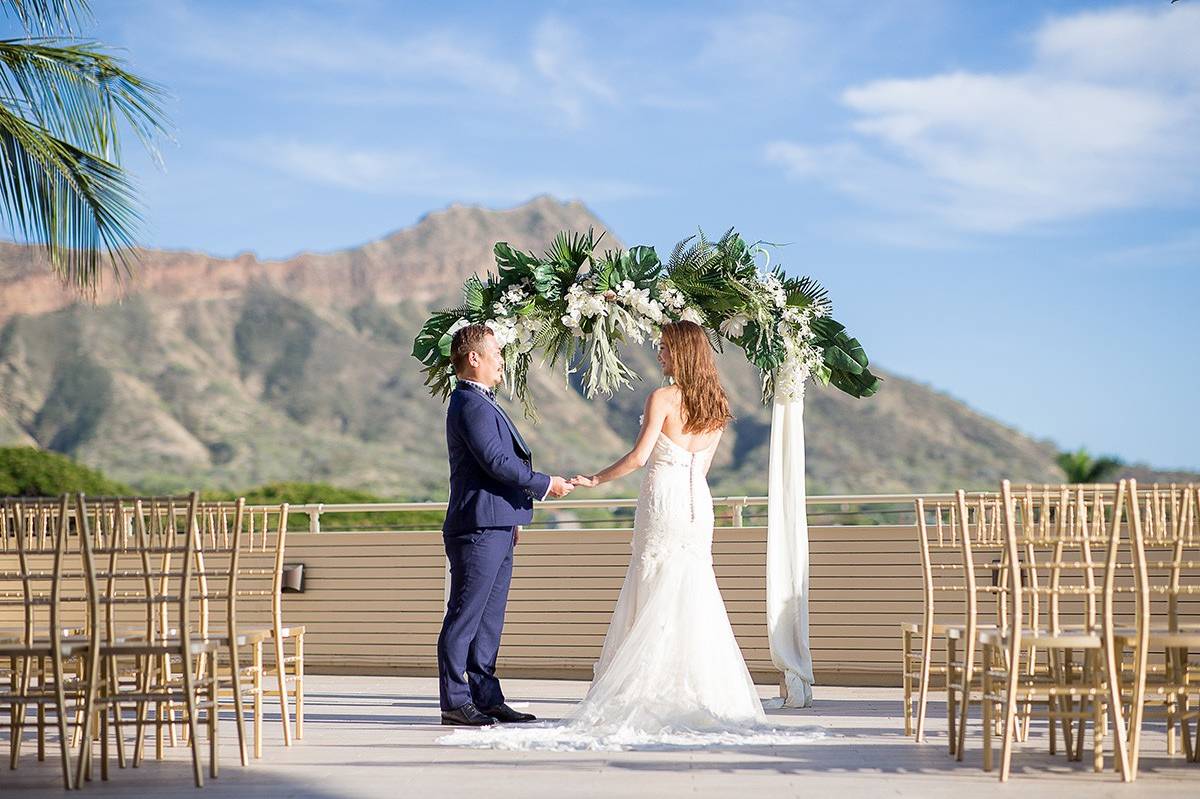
848,507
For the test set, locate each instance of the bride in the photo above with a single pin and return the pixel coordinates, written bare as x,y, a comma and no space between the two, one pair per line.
670,671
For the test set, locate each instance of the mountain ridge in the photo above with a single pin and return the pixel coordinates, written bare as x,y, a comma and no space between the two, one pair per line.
224,373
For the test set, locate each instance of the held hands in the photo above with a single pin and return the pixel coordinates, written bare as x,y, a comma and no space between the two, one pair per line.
560,487
585,481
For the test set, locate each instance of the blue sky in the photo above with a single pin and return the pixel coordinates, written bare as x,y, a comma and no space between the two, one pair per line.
1002,197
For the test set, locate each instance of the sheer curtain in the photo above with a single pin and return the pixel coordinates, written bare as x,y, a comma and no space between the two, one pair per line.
787,552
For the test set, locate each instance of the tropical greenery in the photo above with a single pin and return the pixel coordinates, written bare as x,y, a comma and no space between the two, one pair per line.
576,306
32,472
64,103
1080,467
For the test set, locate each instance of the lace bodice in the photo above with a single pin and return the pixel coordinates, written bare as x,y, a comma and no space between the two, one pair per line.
674,512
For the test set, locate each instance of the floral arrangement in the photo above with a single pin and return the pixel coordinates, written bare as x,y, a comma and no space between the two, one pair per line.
576,306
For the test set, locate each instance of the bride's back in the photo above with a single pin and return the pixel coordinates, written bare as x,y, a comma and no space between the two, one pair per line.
673,425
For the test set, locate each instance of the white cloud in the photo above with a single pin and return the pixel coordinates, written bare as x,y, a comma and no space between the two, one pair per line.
324,47
572,82
418,173
1095,124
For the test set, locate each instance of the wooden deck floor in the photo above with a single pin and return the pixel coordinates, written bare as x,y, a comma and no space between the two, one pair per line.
375,737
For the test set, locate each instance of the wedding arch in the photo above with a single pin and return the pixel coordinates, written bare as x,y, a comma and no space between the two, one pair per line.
577,306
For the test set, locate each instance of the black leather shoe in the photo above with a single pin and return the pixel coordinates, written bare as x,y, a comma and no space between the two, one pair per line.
466,716
506,715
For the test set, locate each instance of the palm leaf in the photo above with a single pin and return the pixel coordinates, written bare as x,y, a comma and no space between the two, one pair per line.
45,16
80,94
79,206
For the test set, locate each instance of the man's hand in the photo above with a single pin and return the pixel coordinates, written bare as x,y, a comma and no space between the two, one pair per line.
560,487
586,481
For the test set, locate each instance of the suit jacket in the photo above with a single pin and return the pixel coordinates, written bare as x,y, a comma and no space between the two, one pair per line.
492,481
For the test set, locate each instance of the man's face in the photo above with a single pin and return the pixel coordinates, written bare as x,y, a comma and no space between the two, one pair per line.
489,366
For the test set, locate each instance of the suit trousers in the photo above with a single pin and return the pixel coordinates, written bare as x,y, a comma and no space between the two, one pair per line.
481,563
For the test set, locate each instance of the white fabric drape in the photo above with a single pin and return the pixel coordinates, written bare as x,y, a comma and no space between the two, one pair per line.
787,552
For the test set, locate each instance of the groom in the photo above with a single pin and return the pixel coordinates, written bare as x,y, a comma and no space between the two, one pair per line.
492,490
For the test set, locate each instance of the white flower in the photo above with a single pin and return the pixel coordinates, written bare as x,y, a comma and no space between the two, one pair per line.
691,315
457,326
503,331
734,326
499,309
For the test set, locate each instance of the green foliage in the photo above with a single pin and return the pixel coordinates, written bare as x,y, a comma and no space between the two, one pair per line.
32,472
579,314
1081,467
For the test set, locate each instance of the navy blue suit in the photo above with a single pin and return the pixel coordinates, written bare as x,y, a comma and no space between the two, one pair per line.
492,490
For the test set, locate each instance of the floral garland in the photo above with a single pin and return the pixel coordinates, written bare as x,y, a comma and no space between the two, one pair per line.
577,306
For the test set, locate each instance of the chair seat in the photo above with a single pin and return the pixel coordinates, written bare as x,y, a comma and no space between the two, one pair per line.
1162,637
129,648
913,627
1071,639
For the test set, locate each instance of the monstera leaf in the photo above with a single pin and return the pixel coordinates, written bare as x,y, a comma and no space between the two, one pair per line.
428,345
513,265
860,385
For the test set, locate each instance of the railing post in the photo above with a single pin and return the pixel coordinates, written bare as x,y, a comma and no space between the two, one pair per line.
738,507
314,519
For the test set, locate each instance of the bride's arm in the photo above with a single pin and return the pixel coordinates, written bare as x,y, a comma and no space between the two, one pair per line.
657,405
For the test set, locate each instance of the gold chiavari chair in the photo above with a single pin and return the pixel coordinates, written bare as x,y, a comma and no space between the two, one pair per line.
145,560
35,532
945,545
221,531
1166,563
264,553
982,545
1053,542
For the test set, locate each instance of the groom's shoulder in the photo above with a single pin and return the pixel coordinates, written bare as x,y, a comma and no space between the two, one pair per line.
461,398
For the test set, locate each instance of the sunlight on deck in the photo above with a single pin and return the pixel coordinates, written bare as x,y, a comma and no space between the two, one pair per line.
376,737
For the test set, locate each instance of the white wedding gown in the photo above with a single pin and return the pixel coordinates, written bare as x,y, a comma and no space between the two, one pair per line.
670,672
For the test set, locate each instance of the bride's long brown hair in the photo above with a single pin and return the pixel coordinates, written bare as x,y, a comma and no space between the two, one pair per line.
705,407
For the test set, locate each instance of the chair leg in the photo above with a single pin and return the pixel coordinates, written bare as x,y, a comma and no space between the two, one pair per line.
235,671
968,675
189,697
1027,707
1010,723
951,687
987,705
18,708
83,769
214,696
41,711
923,687
118,728
64,741
258,697
281,674
906,679
298,683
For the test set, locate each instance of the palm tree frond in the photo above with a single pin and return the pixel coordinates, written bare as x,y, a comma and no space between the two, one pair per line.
45,16
80,207
81,94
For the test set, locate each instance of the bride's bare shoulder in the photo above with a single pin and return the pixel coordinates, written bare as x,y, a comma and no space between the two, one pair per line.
665,394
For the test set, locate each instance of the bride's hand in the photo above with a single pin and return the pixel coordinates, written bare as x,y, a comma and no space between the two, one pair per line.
585,481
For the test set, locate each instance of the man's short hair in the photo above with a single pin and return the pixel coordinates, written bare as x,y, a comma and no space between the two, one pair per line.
467,340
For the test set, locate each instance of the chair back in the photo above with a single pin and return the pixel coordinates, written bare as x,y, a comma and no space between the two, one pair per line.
1065,541
139,565
34,545
261,566
1169,562
961,541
